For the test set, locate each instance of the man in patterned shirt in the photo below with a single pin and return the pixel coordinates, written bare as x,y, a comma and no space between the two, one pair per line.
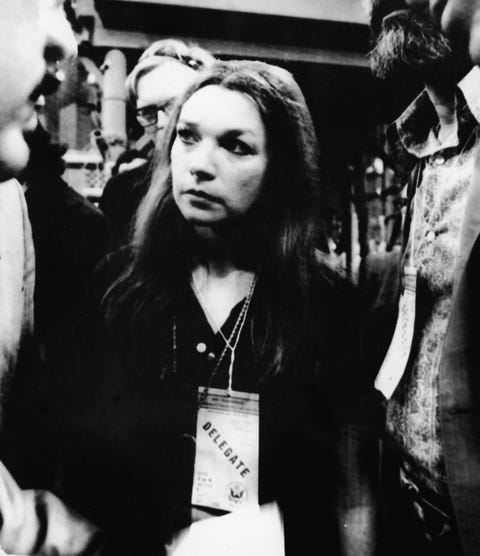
434,141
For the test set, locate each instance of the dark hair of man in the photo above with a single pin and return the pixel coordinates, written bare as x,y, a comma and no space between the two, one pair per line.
410,45
278,236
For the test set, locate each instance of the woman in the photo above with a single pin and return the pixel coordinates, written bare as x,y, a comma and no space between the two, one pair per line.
222,319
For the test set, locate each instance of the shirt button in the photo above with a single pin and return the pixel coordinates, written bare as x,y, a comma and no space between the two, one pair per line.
201,347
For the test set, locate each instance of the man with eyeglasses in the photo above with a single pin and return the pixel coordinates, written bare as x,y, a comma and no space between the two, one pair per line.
163,73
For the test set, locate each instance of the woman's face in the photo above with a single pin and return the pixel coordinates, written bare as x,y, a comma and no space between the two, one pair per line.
219,156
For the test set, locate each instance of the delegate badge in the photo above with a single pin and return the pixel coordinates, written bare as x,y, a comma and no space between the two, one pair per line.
226,458
396,360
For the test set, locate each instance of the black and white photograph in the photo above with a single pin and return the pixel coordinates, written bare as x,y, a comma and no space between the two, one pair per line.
239,277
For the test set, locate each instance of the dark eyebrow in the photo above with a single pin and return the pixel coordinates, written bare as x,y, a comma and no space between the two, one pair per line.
231,133
186,122
228,134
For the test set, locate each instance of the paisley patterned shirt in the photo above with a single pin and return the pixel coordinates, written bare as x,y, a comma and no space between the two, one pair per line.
413,419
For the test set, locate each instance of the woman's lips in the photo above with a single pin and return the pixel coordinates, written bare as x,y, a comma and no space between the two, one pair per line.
200,194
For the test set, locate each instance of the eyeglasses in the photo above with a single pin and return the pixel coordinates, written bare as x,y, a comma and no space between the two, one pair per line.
149,115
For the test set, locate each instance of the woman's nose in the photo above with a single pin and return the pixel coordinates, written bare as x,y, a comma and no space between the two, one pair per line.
202,161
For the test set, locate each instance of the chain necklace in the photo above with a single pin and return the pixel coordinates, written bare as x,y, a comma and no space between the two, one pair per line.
230,343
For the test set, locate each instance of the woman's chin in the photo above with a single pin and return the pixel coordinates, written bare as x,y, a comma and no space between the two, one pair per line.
202,218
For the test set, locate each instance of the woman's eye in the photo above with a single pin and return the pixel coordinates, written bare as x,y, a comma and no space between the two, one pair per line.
238,147
186,136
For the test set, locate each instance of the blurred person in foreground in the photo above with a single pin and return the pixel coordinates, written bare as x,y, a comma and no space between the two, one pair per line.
431,455
34,36
70,236
163,73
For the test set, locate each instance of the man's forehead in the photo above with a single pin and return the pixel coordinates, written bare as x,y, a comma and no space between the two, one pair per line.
167,81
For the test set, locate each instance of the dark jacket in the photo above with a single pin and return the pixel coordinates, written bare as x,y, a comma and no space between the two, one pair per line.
122,196
129,465
70,236
460,380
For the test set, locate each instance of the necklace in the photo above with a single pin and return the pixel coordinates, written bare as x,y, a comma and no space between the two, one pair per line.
204,304
230,343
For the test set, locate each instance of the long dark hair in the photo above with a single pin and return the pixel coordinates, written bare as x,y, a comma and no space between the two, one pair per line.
163,246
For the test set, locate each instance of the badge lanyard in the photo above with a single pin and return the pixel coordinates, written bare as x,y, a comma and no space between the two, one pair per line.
236,332
395,362
225,475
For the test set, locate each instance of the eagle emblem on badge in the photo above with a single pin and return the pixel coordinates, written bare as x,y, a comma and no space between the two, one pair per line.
237,493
